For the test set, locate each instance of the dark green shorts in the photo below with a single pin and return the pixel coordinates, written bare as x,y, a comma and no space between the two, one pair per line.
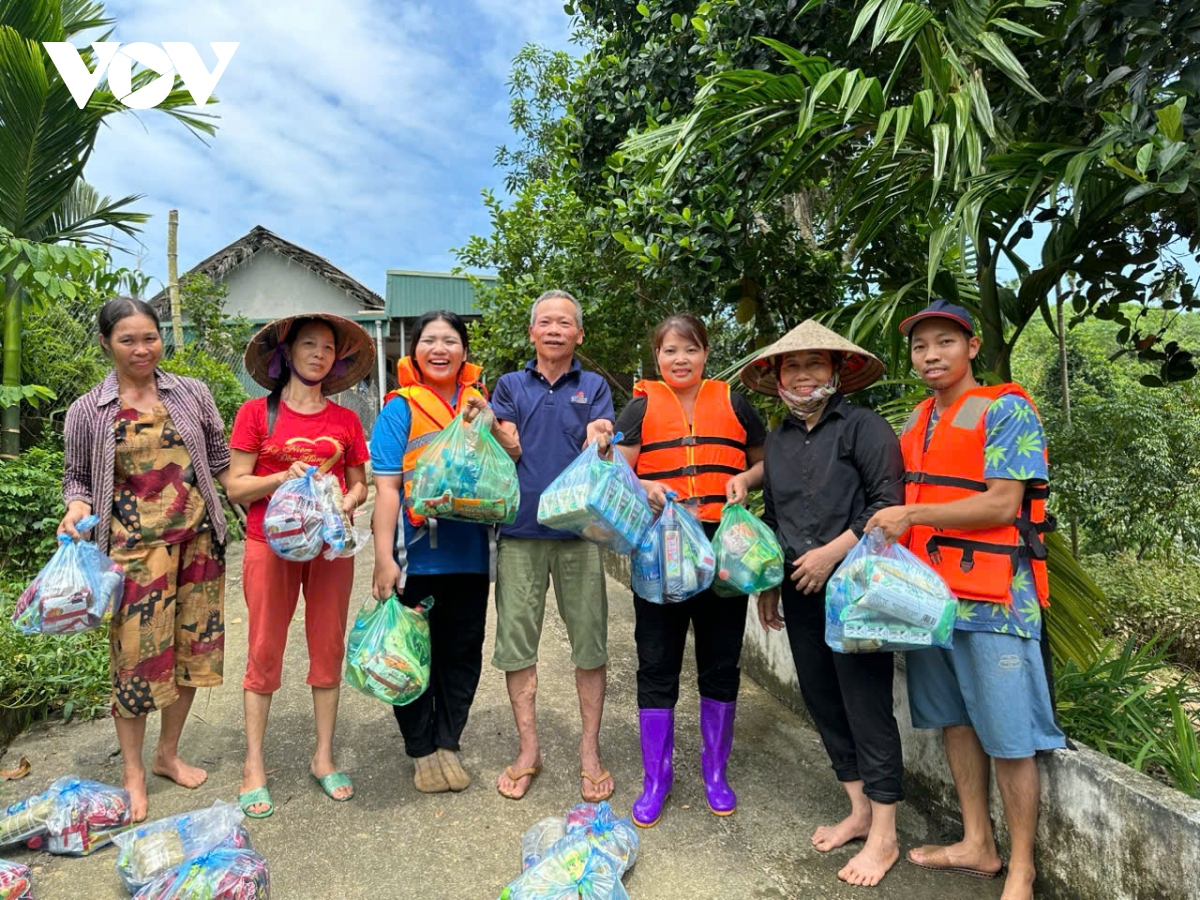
523,571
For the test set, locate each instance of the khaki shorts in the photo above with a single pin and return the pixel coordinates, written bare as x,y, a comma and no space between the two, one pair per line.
524,568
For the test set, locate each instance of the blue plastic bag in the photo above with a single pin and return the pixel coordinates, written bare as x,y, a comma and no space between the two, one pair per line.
572,869
293,524
149,850
599,499
883,597
78,589
674,560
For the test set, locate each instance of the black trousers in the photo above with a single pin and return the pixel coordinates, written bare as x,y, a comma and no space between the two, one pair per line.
719,623
849,696
457,623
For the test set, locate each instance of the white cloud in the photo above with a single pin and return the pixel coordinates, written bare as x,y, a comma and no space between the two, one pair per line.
361,130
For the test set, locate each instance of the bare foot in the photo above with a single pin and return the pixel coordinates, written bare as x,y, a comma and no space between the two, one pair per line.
1018,883
526,767
178,771
871,863
852,828
956,856
134,781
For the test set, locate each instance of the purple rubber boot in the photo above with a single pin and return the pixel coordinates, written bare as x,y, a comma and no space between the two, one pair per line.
716,734
658,746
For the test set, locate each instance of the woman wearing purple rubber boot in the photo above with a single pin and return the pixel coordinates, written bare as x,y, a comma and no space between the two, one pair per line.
695,437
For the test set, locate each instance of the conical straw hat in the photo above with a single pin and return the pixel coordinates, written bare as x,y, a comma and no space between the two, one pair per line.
859,368
355,352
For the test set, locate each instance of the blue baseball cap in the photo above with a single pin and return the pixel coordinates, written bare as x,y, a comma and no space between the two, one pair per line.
940,309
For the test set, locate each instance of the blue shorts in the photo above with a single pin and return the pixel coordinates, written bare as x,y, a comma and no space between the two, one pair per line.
994,683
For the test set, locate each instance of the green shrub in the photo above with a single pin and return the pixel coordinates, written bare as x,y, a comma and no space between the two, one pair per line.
1153,597
41,675
227,391
30,510
1124,707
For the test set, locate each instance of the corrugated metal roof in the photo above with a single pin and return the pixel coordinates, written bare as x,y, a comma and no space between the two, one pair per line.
411,293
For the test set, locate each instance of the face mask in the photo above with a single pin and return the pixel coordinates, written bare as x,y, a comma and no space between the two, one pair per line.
803,407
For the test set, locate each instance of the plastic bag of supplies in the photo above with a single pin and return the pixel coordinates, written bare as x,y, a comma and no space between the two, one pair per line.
78,589
221,874
72,817
749,559
388,652
149,850
465,474
16,881
599,499
882,597
293,524
675,559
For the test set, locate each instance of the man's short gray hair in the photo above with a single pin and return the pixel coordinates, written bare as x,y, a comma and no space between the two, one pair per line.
556,295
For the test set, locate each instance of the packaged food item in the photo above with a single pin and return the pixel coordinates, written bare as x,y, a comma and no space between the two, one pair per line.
748,557
293,524
685,560
388,654
150,849
883,597
465,474
78,589
599,499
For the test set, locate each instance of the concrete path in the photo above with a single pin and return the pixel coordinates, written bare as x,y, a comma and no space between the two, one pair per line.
392,842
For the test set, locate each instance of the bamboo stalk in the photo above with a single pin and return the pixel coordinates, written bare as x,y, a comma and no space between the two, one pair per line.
173,278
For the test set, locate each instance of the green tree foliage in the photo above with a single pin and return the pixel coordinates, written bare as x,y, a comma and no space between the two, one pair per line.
208,328
228,393
962,126
1127,467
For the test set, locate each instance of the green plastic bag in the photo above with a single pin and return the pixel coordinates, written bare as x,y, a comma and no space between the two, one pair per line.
465,474
749,559
388,653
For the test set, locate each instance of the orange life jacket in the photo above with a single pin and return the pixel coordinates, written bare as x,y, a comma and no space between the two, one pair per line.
977,564
430,414
695,463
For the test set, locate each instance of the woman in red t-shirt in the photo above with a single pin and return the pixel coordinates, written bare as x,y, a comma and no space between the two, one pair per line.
301,359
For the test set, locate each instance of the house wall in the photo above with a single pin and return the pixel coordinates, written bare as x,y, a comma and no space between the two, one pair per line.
268,286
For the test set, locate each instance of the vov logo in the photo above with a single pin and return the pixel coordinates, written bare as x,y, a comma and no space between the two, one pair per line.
171,58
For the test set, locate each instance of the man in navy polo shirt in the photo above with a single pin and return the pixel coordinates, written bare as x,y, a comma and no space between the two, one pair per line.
548,412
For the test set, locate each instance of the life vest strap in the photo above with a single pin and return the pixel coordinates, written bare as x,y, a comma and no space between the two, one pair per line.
693,440
705,500
969,547
1032,491
688,471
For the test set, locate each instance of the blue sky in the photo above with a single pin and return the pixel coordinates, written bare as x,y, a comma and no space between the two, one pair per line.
361,130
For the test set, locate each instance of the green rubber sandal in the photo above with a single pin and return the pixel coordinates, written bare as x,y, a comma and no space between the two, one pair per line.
332,782
253,798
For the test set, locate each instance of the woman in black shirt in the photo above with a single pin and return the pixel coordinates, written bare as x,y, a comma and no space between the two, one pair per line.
828,467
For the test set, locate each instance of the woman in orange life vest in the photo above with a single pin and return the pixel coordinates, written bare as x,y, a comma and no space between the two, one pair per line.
695,437
446,560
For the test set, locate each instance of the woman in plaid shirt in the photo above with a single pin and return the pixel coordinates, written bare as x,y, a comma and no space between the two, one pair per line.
144,451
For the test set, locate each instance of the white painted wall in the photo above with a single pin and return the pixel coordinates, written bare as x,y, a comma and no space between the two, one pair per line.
268,286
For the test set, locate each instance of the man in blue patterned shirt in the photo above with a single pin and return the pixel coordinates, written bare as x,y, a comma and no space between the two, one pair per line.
975,511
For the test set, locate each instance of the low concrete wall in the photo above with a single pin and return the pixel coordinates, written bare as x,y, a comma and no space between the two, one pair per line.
1106,832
